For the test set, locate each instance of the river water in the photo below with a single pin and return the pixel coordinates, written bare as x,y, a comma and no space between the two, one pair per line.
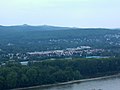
103,84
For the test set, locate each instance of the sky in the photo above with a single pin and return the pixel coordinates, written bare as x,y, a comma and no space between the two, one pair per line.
70,13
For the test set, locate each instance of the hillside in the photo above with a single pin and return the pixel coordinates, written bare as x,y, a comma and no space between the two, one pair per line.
18,40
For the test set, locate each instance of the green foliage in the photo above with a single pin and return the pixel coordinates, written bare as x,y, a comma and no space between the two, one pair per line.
11,80
55,71
2,82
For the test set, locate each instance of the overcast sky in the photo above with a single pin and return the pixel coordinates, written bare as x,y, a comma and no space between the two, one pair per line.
74,13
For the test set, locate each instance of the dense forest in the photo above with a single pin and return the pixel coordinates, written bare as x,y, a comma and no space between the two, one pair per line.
15,75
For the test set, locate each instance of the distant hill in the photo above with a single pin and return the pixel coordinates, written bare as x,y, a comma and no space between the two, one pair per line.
29,27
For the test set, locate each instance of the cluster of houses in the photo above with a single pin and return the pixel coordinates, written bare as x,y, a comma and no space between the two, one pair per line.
79,51
82,51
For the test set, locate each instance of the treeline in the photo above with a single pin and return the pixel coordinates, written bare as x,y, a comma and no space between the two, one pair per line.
14,75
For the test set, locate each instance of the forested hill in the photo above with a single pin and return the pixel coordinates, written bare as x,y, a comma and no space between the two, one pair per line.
21,38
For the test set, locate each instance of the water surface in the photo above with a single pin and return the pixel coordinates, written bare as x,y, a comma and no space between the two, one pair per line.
104,84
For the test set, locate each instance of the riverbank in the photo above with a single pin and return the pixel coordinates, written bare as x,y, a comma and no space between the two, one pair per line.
69,82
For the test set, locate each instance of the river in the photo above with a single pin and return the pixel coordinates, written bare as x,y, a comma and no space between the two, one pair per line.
103,84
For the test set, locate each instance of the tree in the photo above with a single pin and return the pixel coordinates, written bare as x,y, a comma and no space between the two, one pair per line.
2,82
32,76
11,79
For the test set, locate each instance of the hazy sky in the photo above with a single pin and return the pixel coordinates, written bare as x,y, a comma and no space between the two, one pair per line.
76,13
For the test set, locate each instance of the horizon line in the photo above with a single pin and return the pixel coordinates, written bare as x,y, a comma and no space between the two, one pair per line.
57,26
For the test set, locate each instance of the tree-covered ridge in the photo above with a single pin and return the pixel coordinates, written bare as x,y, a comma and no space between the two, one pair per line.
15,75
17,41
